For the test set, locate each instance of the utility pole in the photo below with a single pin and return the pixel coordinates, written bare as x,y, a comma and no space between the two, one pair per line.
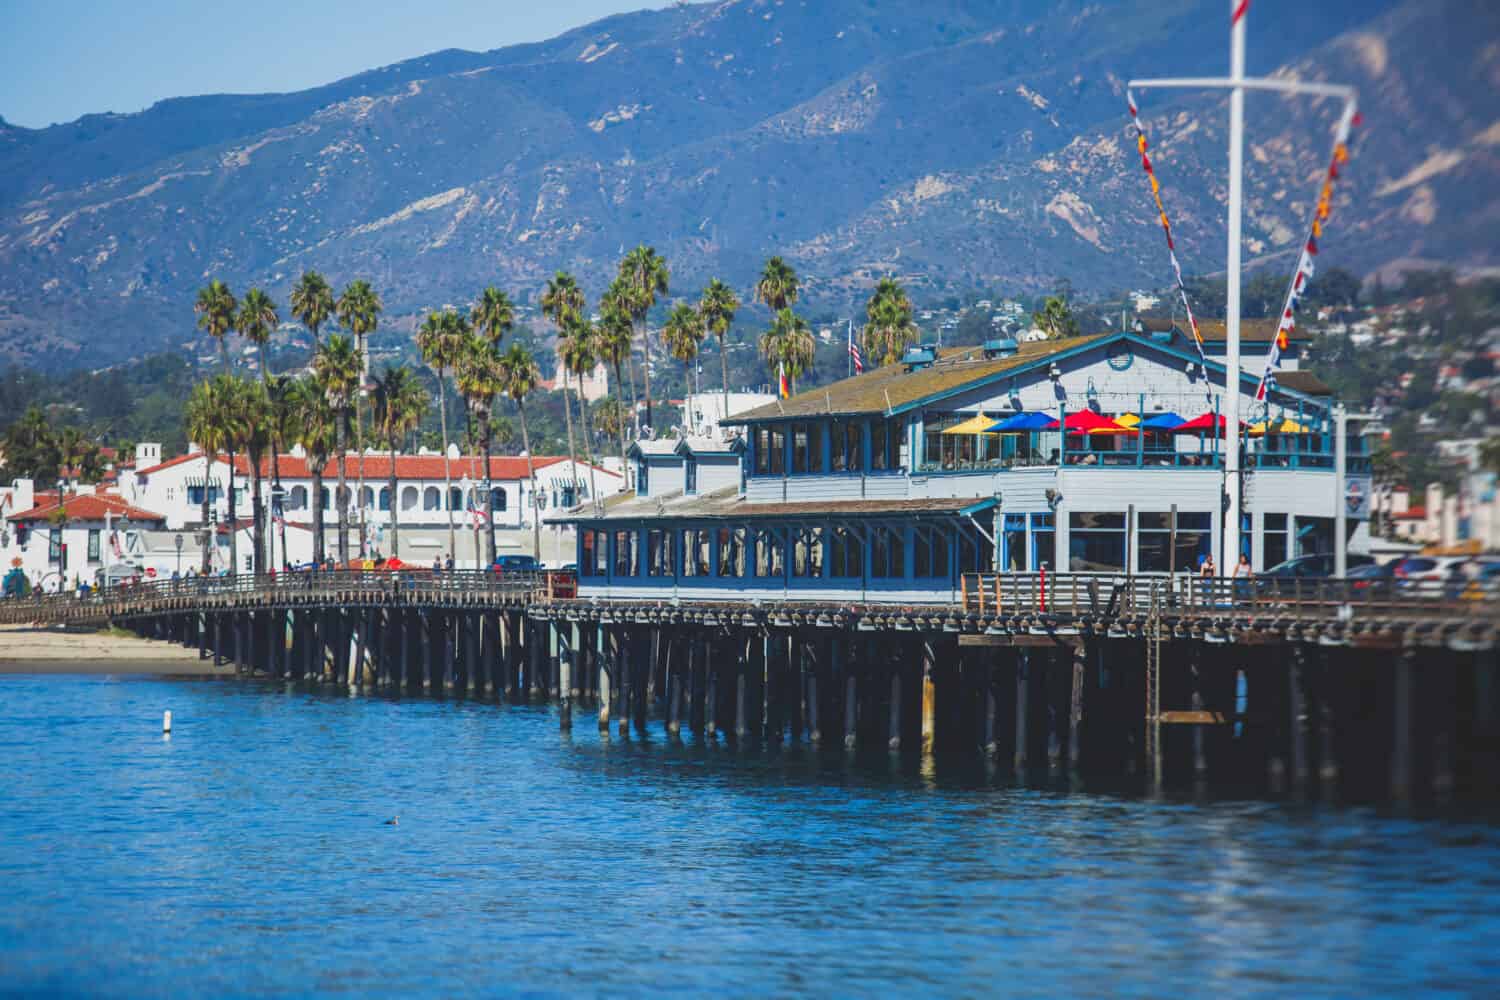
1237,84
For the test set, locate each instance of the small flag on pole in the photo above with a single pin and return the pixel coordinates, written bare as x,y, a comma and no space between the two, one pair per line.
475,512
784,386
854,355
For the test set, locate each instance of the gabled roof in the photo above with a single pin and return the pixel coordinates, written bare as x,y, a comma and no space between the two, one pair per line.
88,507
1303,381
169,463
710,446
891,388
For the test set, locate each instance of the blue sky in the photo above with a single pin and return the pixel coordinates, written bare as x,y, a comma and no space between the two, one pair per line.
60,60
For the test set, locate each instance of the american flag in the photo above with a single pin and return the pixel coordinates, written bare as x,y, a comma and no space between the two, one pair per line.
475,512
854,356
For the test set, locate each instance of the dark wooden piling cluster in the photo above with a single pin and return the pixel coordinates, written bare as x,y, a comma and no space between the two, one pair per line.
1166,687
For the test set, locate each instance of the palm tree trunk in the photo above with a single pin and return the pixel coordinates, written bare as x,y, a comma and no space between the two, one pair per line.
621,421
635,398
447,472
568,413
359,447
341,498
588,444
265,372
276,495
536,519
223,354
474,478
724,370
489,491
395,503
208,533
646,371
258,525
319,549
234,523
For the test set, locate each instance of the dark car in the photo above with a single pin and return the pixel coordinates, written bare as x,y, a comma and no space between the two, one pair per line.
516,564
1301,575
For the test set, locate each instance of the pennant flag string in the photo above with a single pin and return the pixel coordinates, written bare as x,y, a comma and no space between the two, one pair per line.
1166,226
1287,322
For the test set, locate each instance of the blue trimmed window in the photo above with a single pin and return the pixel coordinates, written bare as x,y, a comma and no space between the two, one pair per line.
696,552
690,475
846,553
731,552
770,554
887,553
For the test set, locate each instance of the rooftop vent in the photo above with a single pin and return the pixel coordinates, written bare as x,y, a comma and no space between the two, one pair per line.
1002,348
919,357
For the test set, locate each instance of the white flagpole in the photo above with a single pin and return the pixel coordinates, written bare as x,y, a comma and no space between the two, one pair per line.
1231,548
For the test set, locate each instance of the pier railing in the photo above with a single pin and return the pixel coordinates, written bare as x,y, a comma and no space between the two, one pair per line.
318,586
1001,594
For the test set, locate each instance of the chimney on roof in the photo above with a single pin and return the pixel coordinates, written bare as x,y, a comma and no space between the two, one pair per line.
147,454
453,452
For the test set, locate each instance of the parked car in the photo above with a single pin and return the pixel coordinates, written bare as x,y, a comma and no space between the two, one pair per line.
516,564
1371,575
1287,577
1445,568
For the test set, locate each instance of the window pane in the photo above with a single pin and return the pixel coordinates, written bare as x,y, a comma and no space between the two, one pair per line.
778,451
854,446
800,456
1194,521
878,446
1275,522
1089,520
1153,520
1096,551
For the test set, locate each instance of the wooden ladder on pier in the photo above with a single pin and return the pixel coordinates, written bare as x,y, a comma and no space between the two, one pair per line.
1153,685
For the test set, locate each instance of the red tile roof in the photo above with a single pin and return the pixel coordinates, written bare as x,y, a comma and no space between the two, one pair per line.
87,507
168,463
407,466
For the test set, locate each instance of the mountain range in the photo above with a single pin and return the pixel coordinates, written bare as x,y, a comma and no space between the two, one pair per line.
955,144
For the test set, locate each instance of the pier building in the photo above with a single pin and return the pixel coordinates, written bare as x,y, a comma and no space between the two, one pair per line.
1097,453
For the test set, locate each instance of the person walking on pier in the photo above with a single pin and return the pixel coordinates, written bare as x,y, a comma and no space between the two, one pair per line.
1207,571
1241,576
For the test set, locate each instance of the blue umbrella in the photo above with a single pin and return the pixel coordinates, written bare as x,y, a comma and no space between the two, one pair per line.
1162,422
1032,420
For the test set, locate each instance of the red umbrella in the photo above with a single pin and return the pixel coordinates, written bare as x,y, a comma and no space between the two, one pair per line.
1204,422
1089,422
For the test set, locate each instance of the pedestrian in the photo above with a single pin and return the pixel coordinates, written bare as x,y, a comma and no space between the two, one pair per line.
1241,576
437,565
448,564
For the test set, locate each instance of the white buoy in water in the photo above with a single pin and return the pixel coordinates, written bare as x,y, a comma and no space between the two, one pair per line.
166,722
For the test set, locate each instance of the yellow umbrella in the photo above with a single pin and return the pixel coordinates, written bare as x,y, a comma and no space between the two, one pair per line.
977,424
1287,426
1127,420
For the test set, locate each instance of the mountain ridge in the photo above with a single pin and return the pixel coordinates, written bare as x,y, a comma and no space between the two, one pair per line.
958,145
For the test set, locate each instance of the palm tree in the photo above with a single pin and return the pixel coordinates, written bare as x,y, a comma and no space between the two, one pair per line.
494,315
562,300
317,429
1056,318
256,321
612,342
359,312
888,323
682,335
519,376
778,286
284,396
229,415
480,378
252,423
788,343
400,405
440,338
716,309
312,302
215,307
336,367
576,352
201,420
645,275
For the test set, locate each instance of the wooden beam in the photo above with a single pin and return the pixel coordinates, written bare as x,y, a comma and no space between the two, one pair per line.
1194,718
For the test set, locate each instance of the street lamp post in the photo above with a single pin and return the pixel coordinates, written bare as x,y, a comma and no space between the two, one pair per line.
178,541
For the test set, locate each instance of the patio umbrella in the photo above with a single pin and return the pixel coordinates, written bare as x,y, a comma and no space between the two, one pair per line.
1286,426
1127,420
1204,422
1031,420
977,424
1162,422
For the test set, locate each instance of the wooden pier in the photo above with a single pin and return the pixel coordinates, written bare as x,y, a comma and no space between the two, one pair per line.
1365,691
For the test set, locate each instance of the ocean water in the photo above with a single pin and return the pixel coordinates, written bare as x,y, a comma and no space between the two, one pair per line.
251,853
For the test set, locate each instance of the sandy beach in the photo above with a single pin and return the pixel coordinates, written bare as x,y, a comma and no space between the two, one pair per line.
28,650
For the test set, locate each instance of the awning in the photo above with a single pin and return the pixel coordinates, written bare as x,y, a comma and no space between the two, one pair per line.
1127,420
1089,422
1205,422
1162,422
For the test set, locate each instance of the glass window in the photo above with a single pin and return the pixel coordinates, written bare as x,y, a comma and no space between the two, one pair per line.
761,445
590,559
659,553
1273,541
1015,558
880,446
770,554
854,440
976,553
1096,542
1154,550
838,447
690,475
642,479
929,552
1043,540
695,552
93,545
777,449
497,498
731,551
845,553
807,552
455,498
54,545
627,559
887,552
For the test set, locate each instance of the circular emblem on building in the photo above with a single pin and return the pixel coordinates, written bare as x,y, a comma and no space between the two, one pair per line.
1354,496
1120,358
